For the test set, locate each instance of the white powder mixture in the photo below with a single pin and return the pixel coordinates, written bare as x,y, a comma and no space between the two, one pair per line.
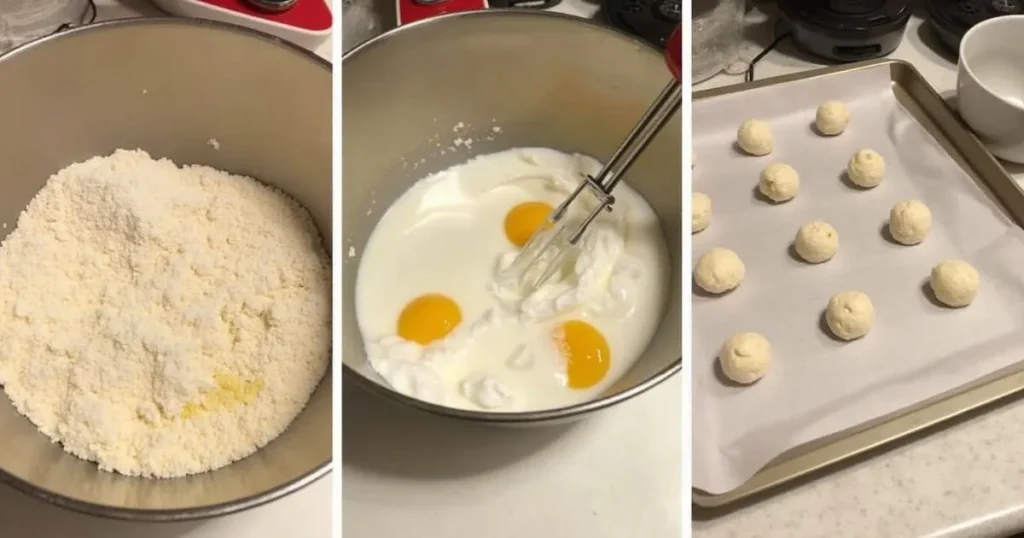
162,321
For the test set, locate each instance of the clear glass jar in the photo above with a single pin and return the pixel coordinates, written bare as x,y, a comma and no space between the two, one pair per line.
717,34
25,20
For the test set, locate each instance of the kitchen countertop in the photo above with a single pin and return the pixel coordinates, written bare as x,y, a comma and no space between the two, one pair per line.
616,474
304,514
963,481
405,472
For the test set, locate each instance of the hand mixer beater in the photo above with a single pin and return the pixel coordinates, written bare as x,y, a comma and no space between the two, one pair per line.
557,240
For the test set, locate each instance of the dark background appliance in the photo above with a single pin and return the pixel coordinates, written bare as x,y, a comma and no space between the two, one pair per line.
650,20
846,30
950,19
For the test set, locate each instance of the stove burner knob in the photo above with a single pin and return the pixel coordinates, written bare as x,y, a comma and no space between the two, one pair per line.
671,10
273,6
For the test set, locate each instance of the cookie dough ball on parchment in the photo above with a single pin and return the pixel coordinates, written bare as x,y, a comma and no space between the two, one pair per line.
816,241
719,270
831,118
745,357
779,182
866,168
755,138
955,283
909,222
701,212
850,315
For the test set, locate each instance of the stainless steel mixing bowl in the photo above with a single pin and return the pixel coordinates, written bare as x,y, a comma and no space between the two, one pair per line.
167,86
544,80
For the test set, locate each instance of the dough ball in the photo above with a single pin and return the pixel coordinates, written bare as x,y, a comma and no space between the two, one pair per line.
831,118
719,270
755,138
779,182
701,216
910,221
850,315
866,168
955,283
745,357
816,241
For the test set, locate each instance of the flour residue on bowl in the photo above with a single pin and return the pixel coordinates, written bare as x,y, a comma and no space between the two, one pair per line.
465,136
162,321
440,325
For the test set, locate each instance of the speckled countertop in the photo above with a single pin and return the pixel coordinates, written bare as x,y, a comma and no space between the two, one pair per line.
964,481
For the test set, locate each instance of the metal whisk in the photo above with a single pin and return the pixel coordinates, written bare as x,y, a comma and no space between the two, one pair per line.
543,254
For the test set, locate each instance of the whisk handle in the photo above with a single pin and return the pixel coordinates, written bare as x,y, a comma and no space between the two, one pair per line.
656,116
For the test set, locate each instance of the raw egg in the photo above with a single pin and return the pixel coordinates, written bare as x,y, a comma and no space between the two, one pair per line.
585,351
428,318
229,392
523,220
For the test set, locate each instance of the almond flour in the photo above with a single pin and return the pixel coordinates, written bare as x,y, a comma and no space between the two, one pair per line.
162,321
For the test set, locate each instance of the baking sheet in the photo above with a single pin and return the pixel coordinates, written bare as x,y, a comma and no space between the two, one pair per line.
916,350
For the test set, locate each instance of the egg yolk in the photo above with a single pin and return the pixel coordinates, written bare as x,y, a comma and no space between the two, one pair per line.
428,318
523,220
229,392
585,351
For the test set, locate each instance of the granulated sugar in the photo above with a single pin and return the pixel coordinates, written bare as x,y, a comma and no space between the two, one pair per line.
162,321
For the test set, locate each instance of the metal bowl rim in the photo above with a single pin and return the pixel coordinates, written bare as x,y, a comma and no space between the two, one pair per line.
526,417
506,12
176,514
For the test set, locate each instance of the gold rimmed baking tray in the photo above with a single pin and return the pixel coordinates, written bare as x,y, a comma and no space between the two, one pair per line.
805,462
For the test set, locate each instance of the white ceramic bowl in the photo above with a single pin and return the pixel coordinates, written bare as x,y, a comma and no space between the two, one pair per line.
990,85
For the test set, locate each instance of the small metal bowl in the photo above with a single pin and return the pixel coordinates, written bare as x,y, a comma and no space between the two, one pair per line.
170,87
547,80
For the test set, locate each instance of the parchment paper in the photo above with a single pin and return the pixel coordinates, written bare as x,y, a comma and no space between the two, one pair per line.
917,349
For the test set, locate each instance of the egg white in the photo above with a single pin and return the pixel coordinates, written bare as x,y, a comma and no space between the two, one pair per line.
446,234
